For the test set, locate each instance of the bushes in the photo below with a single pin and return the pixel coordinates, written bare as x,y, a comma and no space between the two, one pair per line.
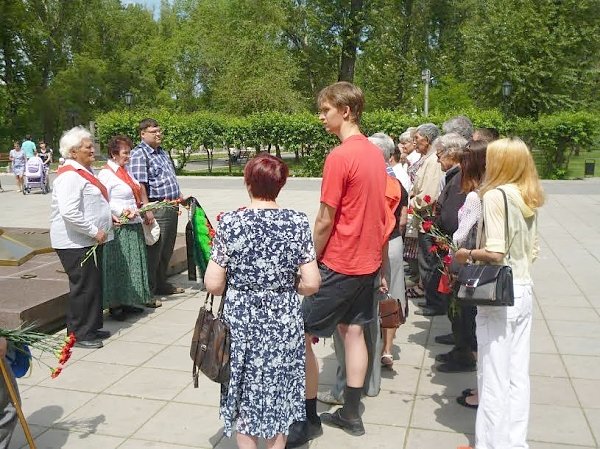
556,137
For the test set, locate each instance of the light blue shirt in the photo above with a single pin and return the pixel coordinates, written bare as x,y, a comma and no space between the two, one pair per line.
29,148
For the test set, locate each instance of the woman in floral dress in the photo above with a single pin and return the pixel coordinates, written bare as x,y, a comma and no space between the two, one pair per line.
264,256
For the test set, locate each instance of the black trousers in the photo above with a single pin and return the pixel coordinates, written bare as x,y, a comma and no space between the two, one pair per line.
463,329
429,269
159,254
84,312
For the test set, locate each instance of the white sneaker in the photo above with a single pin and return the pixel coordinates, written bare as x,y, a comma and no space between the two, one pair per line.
327,398
18,190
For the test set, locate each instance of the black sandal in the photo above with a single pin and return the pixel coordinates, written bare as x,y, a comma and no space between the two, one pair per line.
462,400
413,293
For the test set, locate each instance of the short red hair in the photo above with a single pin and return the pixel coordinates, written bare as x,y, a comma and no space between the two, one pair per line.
265,175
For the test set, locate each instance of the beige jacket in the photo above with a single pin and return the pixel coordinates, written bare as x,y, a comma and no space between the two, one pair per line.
427,182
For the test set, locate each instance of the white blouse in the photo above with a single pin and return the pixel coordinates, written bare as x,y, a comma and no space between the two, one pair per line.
78,211
120,194
469,215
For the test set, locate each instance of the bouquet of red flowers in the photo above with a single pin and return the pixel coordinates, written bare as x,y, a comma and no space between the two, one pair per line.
22,339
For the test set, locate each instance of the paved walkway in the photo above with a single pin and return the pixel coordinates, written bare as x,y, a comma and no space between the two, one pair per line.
136,392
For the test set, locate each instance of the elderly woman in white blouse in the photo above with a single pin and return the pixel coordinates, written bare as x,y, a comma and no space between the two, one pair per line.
125,270
81,218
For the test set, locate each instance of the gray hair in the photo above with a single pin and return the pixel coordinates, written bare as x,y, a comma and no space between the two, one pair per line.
385,144
405,137
429,131
460,125
452,145
72,139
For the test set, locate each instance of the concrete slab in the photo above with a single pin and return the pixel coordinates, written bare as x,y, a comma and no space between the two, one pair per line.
146,361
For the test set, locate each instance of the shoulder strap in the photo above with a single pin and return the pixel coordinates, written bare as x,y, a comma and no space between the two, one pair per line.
508,242
87,176
506,230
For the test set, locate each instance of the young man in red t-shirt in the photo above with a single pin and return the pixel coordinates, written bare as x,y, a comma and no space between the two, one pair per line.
349,235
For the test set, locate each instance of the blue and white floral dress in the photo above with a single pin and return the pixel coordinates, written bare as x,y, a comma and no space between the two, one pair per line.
262,250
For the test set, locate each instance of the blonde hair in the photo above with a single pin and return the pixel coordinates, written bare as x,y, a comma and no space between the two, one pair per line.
509,161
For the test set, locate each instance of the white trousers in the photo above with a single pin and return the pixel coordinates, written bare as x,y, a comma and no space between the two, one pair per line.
503,340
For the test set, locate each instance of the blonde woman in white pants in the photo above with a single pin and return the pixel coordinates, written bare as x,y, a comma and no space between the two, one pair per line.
503,333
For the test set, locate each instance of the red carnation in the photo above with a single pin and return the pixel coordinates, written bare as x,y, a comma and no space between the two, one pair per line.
427,224
433,249
447,259
409,210
427,199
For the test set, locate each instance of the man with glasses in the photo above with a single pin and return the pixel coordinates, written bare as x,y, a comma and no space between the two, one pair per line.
154,170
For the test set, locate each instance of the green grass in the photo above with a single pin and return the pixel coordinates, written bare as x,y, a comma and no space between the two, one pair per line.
576,164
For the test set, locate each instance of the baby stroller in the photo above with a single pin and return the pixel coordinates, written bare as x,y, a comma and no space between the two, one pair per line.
35,176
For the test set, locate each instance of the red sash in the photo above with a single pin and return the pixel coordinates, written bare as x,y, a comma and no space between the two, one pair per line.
87,175
124,176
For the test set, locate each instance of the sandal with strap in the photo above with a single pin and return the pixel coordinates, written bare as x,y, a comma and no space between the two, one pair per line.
413,293
387,360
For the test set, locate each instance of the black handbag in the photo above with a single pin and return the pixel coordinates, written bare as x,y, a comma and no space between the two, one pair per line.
487,285
210,344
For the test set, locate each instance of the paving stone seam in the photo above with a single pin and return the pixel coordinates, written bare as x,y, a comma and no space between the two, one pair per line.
415,395
553,337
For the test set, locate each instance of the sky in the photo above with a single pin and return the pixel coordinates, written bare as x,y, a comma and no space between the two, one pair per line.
153,5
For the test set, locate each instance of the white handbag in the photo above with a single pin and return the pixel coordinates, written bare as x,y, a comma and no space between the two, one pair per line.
151,232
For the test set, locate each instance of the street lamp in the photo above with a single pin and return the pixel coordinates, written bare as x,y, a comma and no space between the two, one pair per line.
426,77
506,89
72,115
128,99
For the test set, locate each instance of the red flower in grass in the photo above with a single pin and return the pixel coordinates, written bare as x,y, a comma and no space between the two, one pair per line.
427,199
427,224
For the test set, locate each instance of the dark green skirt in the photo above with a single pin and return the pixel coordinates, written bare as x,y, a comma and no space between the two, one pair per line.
125,268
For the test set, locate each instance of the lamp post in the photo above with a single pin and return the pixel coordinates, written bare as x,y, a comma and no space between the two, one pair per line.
128,99
506,92
426,77
72,114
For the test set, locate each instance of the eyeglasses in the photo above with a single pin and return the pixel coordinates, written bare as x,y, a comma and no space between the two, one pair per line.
155,131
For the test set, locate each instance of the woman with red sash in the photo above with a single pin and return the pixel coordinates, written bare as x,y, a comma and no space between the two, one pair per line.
125,268
81,218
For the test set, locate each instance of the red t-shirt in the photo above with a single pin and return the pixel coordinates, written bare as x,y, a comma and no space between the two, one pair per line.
354,184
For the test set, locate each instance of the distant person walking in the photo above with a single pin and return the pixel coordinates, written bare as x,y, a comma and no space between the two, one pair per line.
28,146
17,161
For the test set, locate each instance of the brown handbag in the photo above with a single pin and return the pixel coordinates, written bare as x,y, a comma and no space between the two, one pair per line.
210,344
391,314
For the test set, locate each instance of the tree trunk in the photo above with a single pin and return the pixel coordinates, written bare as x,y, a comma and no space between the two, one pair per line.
404,45
350,37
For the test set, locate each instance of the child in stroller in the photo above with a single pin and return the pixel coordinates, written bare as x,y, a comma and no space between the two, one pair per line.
36,175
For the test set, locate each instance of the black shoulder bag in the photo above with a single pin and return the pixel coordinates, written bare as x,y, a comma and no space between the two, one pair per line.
487,285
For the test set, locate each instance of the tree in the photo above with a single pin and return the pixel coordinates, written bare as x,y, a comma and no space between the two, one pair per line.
535,45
